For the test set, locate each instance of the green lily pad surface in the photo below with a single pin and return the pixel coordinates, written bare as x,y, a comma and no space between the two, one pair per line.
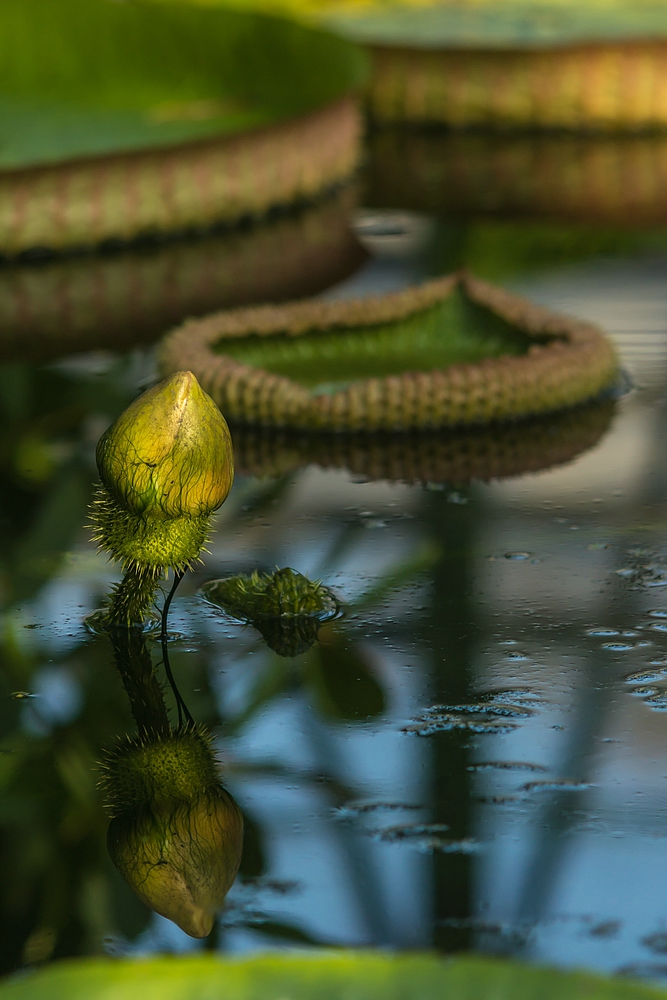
455,331
87,77
503,25
338,976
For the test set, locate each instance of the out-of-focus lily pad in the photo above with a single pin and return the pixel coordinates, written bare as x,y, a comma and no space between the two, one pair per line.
83,77
325,977
500,25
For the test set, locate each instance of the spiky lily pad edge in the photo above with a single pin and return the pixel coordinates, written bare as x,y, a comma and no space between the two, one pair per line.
570,362
123,196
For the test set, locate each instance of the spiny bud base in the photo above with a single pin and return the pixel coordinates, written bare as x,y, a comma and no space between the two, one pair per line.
147,543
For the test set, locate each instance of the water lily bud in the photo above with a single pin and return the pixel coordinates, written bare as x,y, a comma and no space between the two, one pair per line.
176,835
170,453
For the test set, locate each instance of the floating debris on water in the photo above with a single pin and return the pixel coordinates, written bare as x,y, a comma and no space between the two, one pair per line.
20,695
518,556
657,702
603,633
647,676
362,808
617,647
656,942
563,785
495,800
488,715
606,929
517,935
506,765
426,837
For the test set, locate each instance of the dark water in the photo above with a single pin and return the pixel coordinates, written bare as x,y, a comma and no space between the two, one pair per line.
474,757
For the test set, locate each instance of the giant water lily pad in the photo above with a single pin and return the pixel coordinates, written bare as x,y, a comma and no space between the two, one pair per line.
121,118
493,25
455,351
552,65
95,76
318,977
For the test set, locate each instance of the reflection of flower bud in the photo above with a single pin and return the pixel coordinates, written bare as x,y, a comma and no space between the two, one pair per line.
176,835
170,453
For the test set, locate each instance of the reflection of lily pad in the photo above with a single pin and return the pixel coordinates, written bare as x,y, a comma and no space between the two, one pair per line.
136,117
285,606
114,300
452,352
558,177
457,456
334,976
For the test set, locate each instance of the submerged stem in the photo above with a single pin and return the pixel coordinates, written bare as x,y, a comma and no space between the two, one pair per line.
141,684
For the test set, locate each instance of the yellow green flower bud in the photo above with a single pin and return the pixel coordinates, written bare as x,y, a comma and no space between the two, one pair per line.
176,835
170,453
166,464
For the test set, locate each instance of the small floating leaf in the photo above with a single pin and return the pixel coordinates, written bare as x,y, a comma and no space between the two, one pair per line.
285,606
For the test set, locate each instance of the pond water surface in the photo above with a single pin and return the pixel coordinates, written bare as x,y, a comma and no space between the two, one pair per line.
474,756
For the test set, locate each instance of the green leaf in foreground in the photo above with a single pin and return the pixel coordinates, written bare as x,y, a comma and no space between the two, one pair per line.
334,976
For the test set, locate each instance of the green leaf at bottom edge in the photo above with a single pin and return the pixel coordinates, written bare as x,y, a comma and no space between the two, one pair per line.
341,975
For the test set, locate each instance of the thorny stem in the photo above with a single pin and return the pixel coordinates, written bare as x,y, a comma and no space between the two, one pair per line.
132,598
